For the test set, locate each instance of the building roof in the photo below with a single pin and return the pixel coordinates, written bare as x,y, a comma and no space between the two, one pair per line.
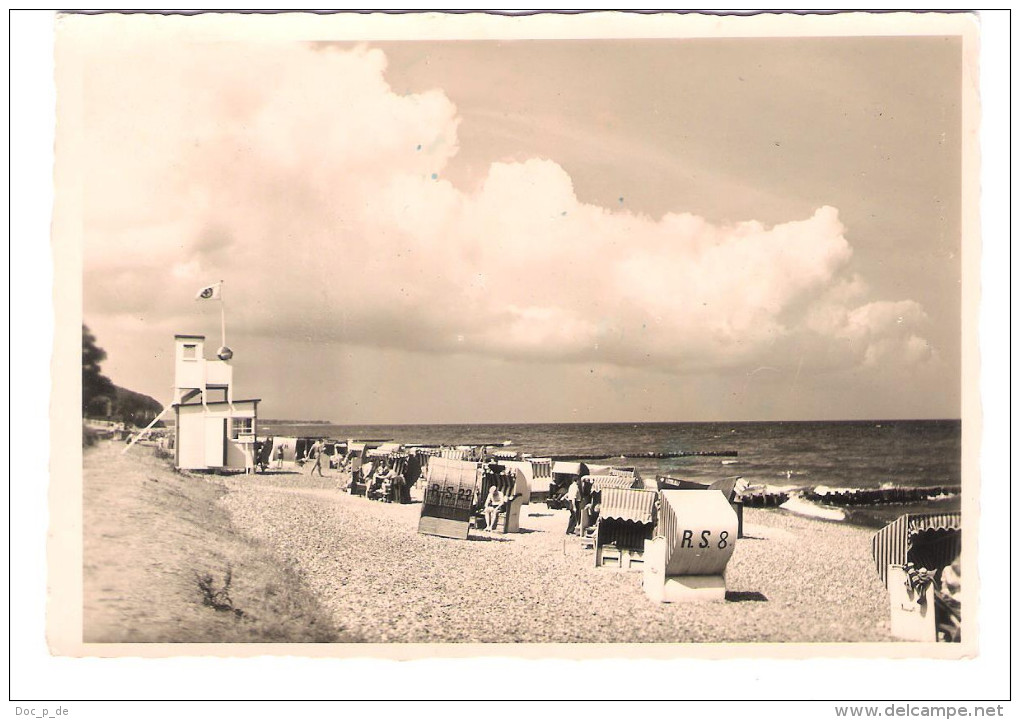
189,337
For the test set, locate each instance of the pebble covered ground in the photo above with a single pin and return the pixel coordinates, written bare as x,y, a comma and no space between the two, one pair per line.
791,580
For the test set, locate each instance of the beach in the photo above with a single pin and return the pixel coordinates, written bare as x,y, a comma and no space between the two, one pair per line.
361,567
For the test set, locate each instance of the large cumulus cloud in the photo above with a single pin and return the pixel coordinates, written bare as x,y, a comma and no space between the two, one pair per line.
318,193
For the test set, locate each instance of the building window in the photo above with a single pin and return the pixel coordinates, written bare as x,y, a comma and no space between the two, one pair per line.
190,352
242,426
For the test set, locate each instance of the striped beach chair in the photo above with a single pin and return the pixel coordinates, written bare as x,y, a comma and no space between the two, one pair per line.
930,540
626,520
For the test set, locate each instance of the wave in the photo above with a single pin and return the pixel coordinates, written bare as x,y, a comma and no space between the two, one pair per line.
800,506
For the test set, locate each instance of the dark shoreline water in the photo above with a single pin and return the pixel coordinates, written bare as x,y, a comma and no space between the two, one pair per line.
852,453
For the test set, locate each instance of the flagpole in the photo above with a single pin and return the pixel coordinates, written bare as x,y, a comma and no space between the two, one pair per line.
223,318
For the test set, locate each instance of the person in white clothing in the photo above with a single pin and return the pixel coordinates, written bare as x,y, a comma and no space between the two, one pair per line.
493,502
572,498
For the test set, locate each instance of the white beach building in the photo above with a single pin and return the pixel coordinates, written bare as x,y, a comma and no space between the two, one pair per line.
213,430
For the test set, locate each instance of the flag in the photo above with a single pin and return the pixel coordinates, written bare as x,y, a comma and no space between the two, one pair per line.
210,292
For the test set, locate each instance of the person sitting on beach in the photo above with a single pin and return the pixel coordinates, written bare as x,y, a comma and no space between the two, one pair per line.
947,602
493,502
389,481
593,515
381,483
369,471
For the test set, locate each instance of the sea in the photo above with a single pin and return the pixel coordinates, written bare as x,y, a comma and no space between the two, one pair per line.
835,454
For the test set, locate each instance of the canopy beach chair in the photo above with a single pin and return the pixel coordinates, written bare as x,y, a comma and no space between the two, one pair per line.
911,556
626,520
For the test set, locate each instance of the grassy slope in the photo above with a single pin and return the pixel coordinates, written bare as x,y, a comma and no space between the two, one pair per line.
153,538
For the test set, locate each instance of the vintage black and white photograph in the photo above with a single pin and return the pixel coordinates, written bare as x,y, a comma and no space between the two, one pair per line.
503,338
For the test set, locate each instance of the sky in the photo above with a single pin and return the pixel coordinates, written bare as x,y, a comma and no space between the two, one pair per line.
532,231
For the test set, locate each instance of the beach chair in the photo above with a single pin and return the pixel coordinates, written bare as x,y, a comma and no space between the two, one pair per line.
562,475
508,516
626,521
449,497
265,455
595,485
910,555
730,487
612,480
694,540
539,480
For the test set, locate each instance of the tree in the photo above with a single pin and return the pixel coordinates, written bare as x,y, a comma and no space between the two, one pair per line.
97,392
134,408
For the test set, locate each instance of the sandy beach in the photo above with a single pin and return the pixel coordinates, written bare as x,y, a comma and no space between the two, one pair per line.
361,567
